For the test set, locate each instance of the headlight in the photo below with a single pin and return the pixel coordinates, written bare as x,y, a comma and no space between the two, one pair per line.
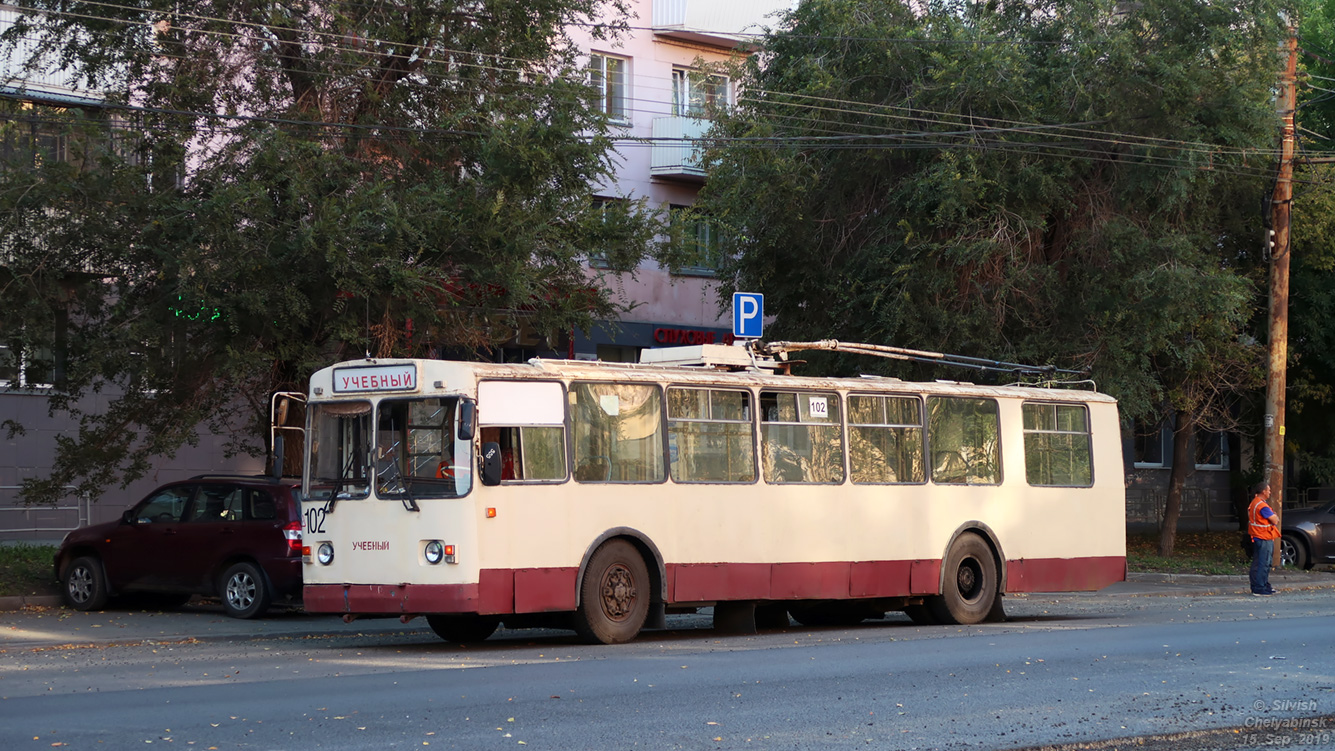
325,554
435,551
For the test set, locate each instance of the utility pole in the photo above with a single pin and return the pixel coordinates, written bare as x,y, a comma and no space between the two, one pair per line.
1279,286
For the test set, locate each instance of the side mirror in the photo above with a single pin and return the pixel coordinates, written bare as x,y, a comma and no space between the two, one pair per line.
128,516
467,419
491,463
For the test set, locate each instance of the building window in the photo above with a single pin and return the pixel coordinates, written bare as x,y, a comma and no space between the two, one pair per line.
601,206
608,77
1211,450
1148,445
696,94
699,238
26,367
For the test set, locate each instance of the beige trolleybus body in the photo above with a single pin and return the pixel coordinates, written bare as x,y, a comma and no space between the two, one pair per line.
601,496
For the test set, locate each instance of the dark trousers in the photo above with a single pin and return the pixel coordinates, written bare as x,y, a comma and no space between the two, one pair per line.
1262,552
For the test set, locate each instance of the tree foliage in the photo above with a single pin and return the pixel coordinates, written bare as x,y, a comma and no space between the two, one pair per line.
1055,181
273,186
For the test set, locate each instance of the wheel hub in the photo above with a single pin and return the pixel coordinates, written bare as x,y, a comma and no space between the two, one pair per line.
240,591
967,579
618,593
81,585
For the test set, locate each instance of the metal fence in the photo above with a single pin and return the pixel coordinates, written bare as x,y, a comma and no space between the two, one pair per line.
1209,509
1202,508
18,519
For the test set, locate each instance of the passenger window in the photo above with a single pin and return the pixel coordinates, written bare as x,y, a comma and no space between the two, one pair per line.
531,453
965,439
217,503
710,436
801,437
618,432
260,506
1056,445
166,506
885,439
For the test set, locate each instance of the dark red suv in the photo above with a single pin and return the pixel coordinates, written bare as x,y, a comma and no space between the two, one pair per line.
238,538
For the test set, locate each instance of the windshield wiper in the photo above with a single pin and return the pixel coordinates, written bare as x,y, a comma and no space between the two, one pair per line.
338,484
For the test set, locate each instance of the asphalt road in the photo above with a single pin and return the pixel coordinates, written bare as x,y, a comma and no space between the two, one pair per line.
1192,661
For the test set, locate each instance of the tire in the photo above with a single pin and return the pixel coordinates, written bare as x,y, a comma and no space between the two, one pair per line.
1293,552
244,590
614,596
84,585
970,583
463,629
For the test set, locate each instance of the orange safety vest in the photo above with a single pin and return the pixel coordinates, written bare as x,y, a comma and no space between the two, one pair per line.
1258,526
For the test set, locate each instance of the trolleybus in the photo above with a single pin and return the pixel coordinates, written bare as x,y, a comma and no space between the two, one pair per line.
604,496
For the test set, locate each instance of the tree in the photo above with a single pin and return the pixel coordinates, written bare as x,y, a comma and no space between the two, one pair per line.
270,187
1051,181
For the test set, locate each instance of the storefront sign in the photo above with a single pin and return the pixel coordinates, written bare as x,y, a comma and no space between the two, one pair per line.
690,336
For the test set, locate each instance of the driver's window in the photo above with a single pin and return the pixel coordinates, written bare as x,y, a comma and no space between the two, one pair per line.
165,506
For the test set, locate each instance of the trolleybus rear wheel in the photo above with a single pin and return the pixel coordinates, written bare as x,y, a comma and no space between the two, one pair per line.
970,582
614,596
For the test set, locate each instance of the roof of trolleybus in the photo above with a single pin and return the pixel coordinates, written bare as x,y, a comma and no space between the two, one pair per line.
460,377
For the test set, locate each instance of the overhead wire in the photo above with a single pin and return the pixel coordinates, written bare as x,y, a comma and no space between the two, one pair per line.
1093,137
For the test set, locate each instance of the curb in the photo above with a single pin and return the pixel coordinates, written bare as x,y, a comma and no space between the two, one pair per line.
29,601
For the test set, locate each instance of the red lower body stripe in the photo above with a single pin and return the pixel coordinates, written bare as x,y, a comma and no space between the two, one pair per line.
541,590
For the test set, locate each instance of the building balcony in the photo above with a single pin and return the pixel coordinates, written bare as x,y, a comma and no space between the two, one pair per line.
675,154
47,83
714,23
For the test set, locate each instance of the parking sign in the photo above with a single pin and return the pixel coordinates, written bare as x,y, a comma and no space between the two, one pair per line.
748,313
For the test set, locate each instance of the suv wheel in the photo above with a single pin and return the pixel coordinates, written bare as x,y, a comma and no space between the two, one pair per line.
244,590
84,586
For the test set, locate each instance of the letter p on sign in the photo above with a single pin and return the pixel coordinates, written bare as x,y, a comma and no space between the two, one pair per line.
748,312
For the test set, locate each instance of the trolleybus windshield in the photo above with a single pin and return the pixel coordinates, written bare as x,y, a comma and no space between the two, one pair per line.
397,449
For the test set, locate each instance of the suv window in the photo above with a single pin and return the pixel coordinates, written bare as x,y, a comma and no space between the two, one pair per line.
165,506
217,503
260,506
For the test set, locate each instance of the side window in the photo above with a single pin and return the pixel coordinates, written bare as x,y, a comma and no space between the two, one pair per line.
801,437
530,453
618,432
165,506
1056,445
217,503
885,439
259,505
965,439
710,435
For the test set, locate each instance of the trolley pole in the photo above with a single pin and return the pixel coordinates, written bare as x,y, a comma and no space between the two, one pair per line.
1279,287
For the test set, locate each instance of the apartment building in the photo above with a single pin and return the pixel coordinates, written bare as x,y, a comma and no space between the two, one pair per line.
656,85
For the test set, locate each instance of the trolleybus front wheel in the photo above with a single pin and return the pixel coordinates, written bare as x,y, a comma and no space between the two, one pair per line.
614,596
970,582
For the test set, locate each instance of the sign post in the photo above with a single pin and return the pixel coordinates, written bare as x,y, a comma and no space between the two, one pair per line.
748,313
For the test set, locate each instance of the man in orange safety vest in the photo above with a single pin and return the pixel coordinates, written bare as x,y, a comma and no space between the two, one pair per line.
1263,526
